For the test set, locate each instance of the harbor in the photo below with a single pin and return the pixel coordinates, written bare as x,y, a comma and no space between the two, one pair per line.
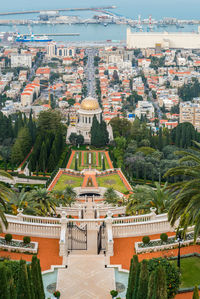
95,24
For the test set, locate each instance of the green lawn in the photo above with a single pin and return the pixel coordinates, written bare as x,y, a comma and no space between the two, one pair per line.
112,180
190,271
68,180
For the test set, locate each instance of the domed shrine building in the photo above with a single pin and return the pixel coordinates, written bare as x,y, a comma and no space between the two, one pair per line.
88,108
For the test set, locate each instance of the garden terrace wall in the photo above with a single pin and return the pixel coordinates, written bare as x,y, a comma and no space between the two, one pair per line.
162,247
140,228
33,226
20,249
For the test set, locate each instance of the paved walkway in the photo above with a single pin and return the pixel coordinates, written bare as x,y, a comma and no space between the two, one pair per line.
70,159
91,175
86,278
124,180
109,160
124,249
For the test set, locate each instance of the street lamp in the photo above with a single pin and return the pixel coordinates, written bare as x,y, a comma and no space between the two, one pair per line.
179,240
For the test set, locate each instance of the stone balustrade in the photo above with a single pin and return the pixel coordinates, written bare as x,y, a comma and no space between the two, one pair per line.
119,227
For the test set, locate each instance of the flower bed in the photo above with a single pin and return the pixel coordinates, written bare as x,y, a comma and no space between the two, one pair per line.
158,245
18,246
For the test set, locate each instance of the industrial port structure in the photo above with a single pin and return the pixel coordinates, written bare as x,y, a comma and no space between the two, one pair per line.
175,40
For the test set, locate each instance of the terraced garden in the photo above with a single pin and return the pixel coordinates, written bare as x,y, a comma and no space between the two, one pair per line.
68,180
83,160
112,180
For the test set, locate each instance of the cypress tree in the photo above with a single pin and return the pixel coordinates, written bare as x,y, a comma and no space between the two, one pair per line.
195,293
94,132
30,279
143,280
103,166
38,288
136,284
128,292
11,283
160,140
160,283
23,287
105,135
132,277
151,286
4,289
51,163
43,157
42,294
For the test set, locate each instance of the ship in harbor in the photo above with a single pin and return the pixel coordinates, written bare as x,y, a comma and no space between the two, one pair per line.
32,39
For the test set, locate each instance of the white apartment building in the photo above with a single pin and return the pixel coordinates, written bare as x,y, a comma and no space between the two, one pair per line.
190,112
21,60
144,108
61,51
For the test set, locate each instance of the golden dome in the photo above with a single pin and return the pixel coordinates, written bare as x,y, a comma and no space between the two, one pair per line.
89,104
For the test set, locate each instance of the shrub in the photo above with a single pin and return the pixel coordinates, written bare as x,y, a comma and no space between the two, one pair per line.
172,274
146,239
8,237
56,294
113,293
164,237
26,240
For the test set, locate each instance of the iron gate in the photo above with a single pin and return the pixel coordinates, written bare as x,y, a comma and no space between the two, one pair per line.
77,237
101,240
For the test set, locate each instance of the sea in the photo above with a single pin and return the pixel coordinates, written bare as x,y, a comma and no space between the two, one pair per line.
181,9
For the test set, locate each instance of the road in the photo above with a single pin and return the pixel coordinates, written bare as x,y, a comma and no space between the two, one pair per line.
156,107
90,72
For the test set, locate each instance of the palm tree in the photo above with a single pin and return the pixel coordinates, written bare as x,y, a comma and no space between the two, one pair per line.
187,202
5,194
66,197
111,197
145,197
20,200
42,201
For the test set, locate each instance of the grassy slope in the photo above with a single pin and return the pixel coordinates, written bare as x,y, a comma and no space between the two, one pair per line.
61,184
118,185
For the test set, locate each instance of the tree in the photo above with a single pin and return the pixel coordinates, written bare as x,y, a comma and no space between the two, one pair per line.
187,201
73,139
132,277
121,127
160,288
66,197
95,132
43,157
17,154
144,197
80,139
4,289
18,201
195,293
5,194
23,287
151,285
50,121
143,280
172,276
111,197
51,163
36,276
42,201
